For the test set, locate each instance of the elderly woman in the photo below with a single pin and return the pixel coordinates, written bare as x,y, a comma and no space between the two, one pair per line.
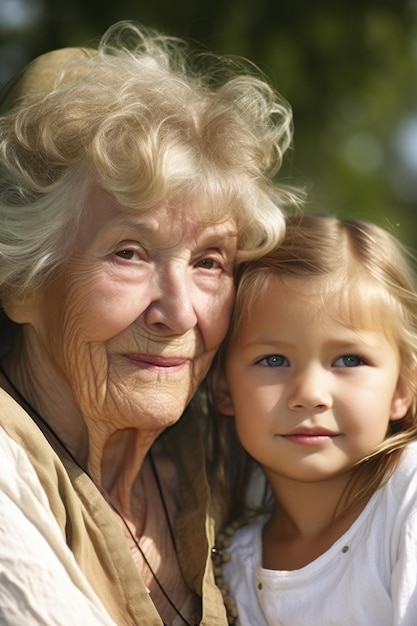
130,187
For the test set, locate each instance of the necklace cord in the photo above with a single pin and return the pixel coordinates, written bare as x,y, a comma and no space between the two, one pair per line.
32,411
162,498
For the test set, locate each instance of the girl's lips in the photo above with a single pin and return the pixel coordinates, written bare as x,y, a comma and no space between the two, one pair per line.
313,437
152,361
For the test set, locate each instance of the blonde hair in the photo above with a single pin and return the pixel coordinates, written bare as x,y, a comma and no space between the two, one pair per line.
365,279
148,120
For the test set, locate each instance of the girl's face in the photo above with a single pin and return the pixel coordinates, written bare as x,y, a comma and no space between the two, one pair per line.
310,396
131,322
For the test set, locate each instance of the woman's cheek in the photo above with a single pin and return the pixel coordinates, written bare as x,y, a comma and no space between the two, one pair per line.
105,314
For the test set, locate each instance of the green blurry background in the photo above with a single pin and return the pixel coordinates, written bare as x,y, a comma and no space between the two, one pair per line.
348,68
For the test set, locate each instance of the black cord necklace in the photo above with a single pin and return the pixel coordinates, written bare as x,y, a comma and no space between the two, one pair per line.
36,416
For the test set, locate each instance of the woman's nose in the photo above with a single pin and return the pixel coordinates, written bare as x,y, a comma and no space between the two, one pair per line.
172,306
310,390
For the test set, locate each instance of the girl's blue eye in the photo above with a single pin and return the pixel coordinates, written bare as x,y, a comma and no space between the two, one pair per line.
348,360
274,360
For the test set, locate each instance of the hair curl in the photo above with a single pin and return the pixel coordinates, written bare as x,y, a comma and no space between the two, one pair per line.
148,120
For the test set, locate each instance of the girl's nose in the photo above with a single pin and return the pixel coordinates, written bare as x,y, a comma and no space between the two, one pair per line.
310,390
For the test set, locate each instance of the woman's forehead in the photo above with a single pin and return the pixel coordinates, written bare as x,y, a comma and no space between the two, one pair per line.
165,225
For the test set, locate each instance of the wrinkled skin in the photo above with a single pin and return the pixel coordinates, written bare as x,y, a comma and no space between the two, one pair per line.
115,344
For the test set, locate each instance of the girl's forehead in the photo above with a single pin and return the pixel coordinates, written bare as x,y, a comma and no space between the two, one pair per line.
353,301
357,305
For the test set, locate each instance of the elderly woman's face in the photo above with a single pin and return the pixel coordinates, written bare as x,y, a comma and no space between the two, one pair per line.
135,316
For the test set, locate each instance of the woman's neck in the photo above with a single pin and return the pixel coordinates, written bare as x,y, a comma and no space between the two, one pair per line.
119,464
112,458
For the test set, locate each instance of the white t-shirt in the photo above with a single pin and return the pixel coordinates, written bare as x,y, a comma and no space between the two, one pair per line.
367,578
40,582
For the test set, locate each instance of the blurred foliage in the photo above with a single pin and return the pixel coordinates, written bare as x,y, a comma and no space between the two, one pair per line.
347,68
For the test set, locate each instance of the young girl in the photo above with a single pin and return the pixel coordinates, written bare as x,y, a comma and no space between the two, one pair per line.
319,372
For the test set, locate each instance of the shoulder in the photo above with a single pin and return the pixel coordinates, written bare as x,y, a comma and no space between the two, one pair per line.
36,464
22,495
409,455
246,541
242,557
18,425
398,496
17,471
32,548
240,549
405,474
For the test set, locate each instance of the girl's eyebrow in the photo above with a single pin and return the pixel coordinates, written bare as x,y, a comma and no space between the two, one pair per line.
266,342
337,342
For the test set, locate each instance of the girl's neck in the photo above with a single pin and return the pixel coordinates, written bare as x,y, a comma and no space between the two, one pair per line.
305,522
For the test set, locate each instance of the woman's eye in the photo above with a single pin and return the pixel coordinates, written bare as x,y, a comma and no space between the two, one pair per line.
208,264
127,254
349,360
274,360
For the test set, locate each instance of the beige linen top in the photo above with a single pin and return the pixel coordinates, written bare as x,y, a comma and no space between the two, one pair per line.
94,536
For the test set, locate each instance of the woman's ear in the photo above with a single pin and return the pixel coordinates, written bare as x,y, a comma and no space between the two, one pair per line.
402,399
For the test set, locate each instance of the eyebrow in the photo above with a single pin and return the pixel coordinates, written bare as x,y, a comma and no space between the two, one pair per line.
209,232
267,343
342,344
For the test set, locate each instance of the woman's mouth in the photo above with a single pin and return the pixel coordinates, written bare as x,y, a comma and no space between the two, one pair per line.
156,362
